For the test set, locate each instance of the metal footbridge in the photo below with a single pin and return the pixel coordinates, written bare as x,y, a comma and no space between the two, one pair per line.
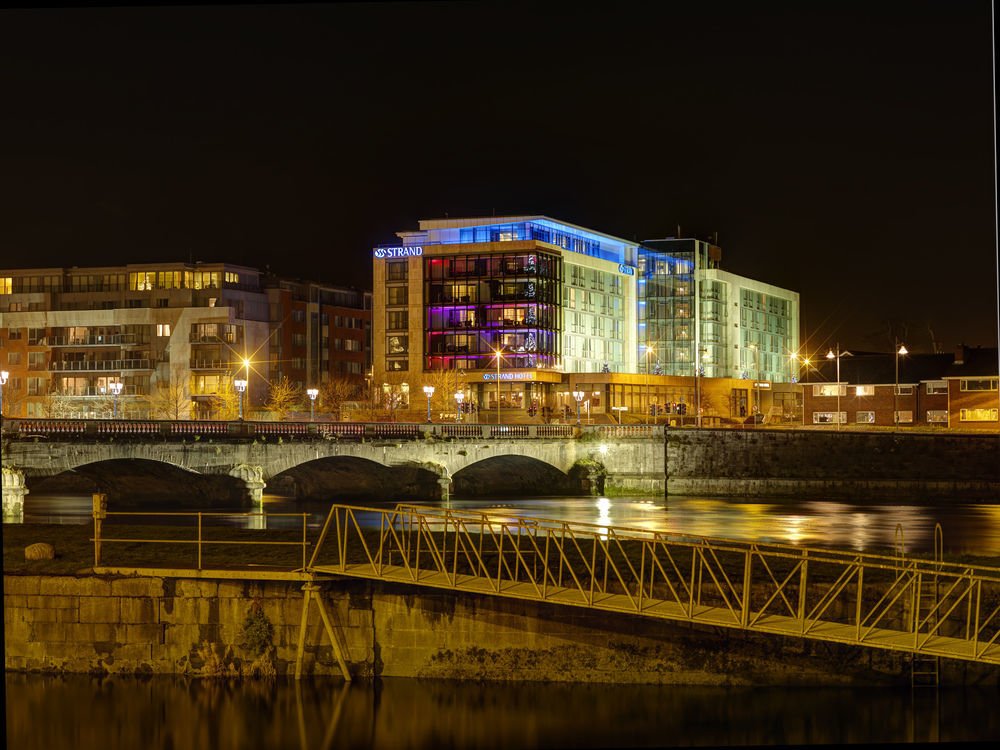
928,608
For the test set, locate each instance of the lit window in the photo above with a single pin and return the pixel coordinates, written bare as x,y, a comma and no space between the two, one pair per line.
6,285
163,329
864,390
865,417
937,416
978,415
979,384
937,386
828,417
904,417
904,390
829,390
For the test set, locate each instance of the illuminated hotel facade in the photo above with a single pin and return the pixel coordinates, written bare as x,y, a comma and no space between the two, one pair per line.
561,301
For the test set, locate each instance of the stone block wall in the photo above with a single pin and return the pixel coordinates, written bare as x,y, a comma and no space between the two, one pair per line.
154,625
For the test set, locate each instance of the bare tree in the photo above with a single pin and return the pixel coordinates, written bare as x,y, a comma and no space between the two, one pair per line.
334,392
393,393
936,347
226,401
443,382
283,397
56,404
169,400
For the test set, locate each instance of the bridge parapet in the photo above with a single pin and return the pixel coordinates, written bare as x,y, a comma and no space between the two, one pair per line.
68,428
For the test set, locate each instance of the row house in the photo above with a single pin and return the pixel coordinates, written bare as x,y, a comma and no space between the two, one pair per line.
947,390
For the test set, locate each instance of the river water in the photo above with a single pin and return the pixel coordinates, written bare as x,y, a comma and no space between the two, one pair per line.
171,713
87,713
968,528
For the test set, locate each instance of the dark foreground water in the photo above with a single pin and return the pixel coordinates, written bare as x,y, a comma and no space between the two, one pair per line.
972,528
88,713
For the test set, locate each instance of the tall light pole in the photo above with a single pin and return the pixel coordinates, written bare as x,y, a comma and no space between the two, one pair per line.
3,381
756,377
699,372
458,405
240,385
312,393
900,350
116,388
428,391
649,402
498,353
831,355
578,395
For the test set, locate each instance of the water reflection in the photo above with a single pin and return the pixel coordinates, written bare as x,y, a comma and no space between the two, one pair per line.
177,713
972,528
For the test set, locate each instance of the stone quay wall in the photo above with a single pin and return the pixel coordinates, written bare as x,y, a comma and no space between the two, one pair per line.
849,465
154,625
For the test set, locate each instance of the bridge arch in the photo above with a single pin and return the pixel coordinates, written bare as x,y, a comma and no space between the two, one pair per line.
134,482
514,474
348,477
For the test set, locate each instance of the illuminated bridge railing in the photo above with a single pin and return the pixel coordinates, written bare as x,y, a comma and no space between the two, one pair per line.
887,602
236,429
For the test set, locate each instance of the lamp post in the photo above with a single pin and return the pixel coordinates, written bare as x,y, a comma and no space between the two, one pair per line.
240,385
498,353
116,388
428,391
578,395
756,378
900,351
3,381
831,355
699,372
459,396
649,403
312,393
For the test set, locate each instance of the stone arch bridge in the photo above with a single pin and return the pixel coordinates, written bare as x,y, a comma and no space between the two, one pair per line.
629,459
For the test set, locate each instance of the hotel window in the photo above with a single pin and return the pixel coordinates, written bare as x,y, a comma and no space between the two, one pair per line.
6,285
864,390
14,359
143,281
865,417
395,365
162,329
979,384
396,295
170,280
397,345
937,416
978,415
232,278
396,320
36,386
36,360
828,417
396,270
14,334
937,387
904,417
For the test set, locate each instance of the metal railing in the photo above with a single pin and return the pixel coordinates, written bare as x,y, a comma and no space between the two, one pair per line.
844,597
111,339
199,541
101,365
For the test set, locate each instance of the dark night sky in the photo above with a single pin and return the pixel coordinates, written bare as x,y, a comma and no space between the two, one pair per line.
843,151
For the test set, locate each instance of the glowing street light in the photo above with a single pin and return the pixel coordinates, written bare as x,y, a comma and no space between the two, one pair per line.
649,402
837,356
312,393
240,385
578,395
116,389
428,391
699,373
459,396
900,352
3,381
498,353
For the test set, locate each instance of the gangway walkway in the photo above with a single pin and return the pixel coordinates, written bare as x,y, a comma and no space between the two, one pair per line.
834,596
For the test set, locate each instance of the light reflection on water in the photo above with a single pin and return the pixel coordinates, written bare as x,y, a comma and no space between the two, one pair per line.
972,528
182,714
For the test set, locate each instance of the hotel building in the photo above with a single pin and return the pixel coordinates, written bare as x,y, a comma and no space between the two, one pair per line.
558,299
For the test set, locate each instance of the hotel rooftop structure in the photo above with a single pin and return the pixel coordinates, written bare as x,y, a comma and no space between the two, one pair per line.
559,299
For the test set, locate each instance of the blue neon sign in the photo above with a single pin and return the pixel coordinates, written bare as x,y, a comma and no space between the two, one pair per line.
627,270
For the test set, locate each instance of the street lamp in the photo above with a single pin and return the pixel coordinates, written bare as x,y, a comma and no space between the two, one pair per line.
756,383
429,391
497,353
240,385
649,403
116,389
699,372
900,351
312,393
831,355
459,396
578,395
3,381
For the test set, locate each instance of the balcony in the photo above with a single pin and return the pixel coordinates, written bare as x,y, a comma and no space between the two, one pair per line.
115,339
95,391
108,365
213,364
